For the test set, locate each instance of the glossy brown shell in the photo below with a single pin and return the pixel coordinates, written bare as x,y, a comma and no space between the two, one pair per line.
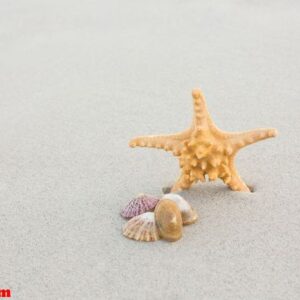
168,220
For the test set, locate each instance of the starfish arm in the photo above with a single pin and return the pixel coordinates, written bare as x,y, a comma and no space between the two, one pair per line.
171,142
182,183
236,183
202,119
240,140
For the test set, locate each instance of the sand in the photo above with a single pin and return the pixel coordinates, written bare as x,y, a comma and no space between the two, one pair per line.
78,80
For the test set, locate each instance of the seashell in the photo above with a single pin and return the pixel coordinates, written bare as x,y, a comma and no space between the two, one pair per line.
142,228
168,220
188,214
139,205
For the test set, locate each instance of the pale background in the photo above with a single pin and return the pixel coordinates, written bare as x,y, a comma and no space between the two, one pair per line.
78,79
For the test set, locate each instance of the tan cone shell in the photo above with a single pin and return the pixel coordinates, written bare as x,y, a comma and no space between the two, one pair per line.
168,220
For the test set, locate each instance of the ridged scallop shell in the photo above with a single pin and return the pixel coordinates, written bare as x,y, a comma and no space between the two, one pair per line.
139,205
168,220
188,214
142,228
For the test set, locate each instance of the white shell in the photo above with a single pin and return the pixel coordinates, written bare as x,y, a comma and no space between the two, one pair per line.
142,228
188,214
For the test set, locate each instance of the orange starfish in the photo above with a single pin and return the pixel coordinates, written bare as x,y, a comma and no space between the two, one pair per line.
204,149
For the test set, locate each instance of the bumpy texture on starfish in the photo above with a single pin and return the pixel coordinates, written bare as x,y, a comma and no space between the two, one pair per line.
204,149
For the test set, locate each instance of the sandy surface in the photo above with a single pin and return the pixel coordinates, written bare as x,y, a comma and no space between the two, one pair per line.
78,80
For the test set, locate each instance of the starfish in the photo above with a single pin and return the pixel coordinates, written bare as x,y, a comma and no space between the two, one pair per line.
204,150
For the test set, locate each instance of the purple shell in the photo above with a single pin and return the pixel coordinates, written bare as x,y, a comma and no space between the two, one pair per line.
139,205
